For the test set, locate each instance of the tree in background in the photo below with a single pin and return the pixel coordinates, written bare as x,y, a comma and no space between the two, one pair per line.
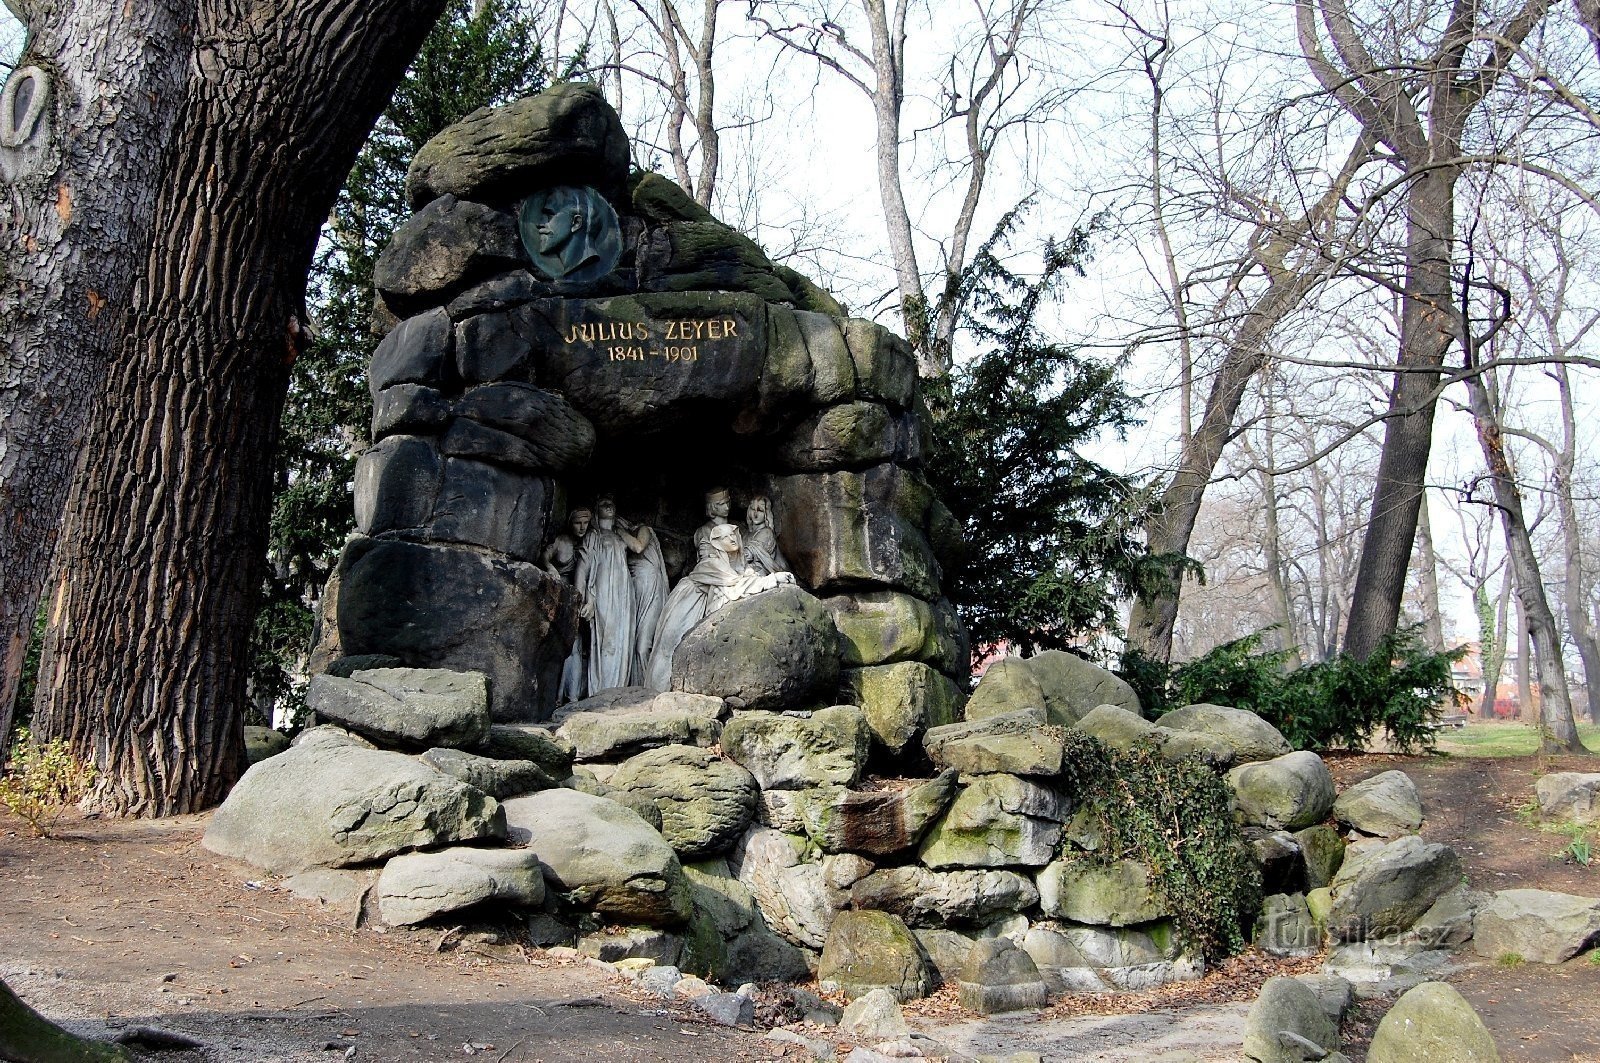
478,55
1050,538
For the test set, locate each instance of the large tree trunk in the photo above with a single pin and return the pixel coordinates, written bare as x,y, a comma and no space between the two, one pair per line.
79,187
1576,583
1428,580
1427,324
28,1037
161,556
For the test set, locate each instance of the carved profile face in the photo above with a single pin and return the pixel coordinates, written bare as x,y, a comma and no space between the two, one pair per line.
571,234
758,514
579,520
559,222
717,504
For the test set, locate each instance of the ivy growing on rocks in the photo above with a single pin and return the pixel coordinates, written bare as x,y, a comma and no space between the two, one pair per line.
1176,817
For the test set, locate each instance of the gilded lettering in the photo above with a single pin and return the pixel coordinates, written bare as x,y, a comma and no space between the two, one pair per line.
730,327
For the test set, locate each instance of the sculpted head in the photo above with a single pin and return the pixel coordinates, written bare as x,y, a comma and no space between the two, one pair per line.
725,537
758,514
717,503
561,220
579,520
605,509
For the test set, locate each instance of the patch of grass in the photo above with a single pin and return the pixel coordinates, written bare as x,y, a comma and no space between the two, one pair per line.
1504,739
1510,960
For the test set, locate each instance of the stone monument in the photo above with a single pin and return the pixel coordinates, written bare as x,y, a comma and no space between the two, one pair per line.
583,375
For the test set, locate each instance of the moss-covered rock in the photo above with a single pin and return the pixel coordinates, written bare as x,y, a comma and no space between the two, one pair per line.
874,950
1072,686
706,801
882,821
1249,736
776,650
1286,793
997,821
883,627
1430,1023
827,748
1323,851
842,530
902,700
1008,686
1117,894
1018,743
567,134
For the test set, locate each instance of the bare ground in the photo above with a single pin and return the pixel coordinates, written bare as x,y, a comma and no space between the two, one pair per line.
124,923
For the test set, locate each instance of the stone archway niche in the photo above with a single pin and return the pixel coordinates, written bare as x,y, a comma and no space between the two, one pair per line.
503,397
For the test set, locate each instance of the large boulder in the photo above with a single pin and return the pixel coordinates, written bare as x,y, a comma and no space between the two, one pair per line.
442,249
334,803
497,778
1287,1024
790,889
601,856
567,134
457,608
928,898
902,700
775,650
890,818
1429,1024
998,821
1569,795
1248,736
416,887
623,721
1286,793
706,801
827,748
1116,894
1072,686
999,977
1098,959
883,627
1118,728
409,708
1386,805
1017,743
1386,888
1537,925
514,741
1008,686
843,530
873,950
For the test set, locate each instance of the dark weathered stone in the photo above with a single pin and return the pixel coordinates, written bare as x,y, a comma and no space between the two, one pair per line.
927,898
1008,686
853,435
451,607
808,295
494,347
609,727
827,748
492,507
409,408
843,529
808,363
561,439
411,708
998,821
567,134
775,650
1387,888
696,256
442,249
397,481
469,439
520,741
417,351
641,364
497,293
1018,743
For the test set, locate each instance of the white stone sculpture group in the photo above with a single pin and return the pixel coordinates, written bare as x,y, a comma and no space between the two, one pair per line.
631,625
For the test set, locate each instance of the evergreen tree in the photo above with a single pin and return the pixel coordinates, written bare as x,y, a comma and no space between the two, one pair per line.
1050,537
478,55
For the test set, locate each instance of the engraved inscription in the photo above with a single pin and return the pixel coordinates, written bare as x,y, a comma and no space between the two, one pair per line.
672,340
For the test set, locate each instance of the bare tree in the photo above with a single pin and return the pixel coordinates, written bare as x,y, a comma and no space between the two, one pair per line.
864,42
1414,87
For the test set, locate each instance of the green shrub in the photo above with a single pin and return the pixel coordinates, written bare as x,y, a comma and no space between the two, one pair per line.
1177,818
1403,688
42,781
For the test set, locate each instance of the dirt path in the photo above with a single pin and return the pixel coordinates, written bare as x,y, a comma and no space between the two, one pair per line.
125,923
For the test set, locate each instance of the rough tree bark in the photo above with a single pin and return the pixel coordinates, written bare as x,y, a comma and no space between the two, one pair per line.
1428,580
1418,105
159,560
28,1037
79,186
